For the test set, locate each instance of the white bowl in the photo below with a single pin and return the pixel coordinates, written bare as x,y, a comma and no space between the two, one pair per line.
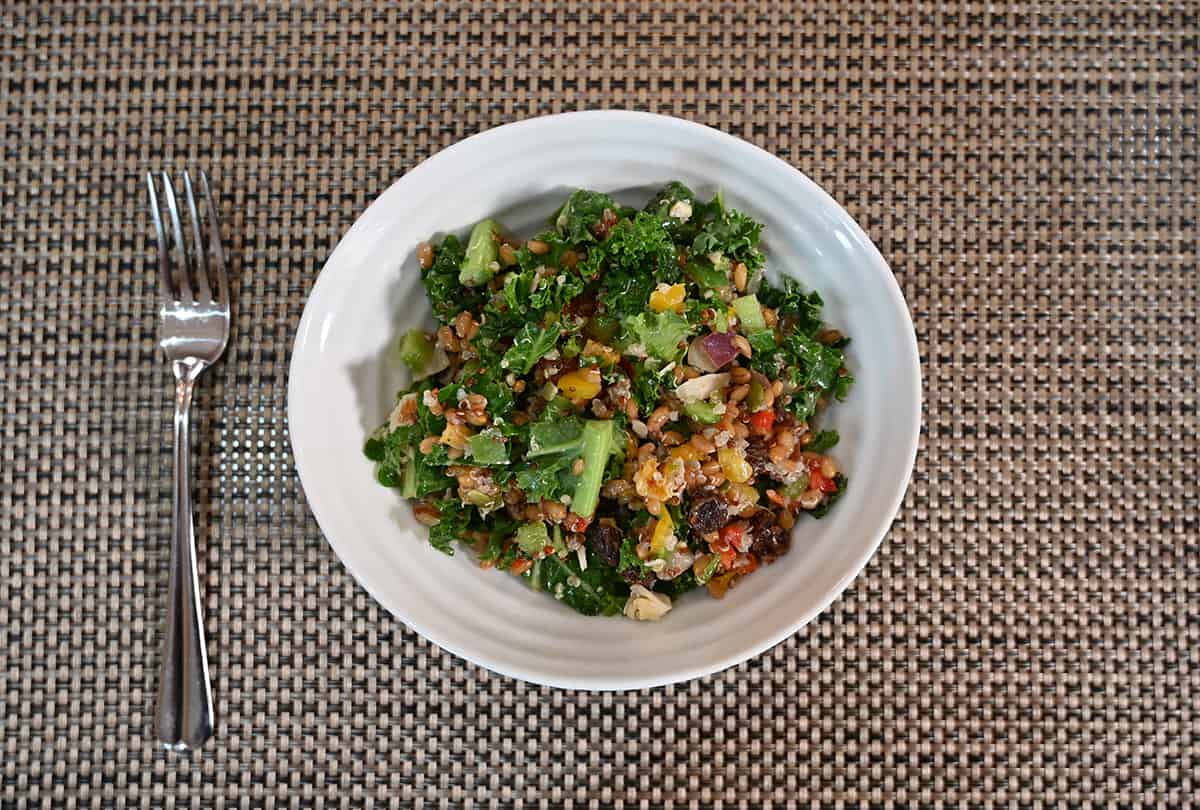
342,385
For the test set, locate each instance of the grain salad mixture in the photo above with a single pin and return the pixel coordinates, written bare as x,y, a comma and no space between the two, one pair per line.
620,409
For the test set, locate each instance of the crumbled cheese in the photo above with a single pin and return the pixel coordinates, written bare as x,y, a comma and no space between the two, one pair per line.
565,499
639,428
681,211
702,387
573,581
560,280
429,398
462,395
646,605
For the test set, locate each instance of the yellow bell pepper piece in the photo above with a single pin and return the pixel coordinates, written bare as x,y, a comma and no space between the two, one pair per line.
665,298
734,465
662,531
580,385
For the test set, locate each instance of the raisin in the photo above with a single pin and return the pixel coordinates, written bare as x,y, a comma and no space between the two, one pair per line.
604,538
770,540
708,514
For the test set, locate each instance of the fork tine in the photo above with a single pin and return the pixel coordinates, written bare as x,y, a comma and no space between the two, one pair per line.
164,259
181,259
199,260
214,240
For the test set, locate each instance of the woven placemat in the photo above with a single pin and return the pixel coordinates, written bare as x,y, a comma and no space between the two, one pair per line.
1029,632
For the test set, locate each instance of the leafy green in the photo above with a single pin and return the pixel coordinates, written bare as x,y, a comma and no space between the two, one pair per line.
763,341
533,537
629,558
596,591
841,386
487,448
706,275
733,234
531,344
661,333
450,526
646,387
581,213
552,436
790,301
822,510
822,440
639,255
447,296
488,381
808,365
681,229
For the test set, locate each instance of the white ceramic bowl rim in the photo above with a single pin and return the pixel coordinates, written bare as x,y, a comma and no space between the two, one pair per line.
528,658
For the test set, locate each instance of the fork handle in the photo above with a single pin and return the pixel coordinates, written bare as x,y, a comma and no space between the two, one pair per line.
185,708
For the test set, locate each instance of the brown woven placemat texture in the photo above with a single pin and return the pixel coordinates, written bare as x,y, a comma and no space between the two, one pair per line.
1029,632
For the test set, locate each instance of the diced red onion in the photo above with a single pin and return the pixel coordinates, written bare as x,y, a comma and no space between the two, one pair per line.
717,348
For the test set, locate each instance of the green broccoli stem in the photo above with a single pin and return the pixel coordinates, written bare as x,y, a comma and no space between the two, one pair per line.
597,444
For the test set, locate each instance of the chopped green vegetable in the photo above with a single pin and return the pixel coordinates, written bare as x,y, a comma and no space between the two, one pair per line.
483,253
555,436
750,314
596,591
821,511
660,333
597,442
714,565
533,537
703,411
531,344
416,349
581,213
822,440
706,275
488,448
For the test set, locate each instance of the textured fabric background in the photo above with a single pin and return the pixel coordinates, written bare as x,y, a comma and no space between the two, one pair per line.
1029,632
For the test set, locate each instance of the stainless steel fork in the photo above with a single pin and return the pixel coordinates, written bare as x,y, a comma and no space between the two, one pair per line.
193,330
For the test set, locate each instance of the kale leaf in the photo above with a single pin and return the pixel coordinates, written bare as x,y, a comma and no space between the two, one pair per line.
581,213
841,481
822,440
531,344
790,301
660,333
735,235
450,526
447,296
639,255
598,590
